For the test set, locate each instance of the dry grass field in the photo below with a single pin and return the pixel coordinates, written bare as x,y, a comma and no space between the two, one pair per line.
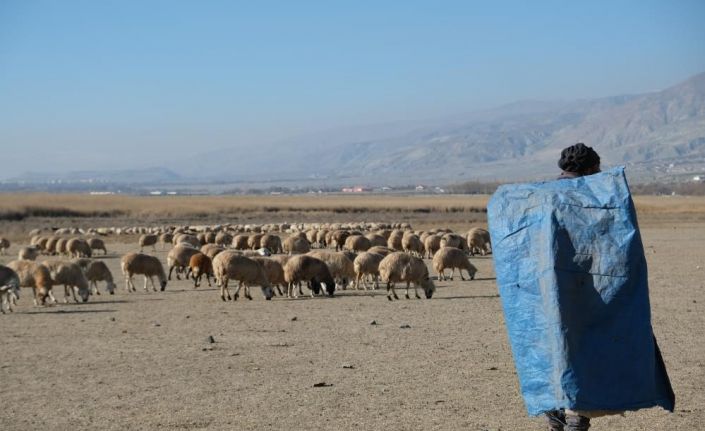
141,360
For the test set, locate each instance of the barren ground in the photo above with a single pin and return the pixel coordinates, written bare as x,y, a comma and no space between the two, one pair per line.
141,360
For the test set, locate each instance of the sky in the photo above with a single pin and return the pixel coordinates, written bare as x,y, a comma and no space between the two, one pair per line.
106,84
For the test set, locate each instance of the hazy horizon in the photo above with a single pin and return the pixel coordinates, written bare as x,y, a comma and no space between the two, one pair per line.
96,85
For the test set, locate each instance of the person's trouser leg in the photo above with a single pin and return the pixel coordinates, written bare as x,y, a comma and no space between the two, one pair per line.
576,423
556,420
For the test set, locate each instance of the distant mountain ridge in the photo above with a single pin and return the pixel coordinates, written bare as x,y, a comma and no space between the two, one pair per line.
656,134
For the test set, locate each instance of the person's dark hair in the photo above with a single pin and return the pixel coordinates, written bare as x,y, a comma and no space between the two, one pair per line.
579,158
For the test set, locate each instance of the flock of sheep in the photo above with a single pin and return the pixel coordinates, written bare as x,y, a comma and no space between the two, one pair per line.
321,257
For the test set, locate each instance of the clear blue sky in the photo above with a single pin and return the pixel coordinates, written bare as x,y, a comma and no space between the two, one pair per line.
158,76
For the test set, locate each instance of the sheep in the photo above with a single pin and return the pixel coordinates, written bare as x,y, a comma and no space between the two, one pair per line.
376,239
432,244
199,265
240,242
147,240
321,238
272,242
211,250
50,245
311,236
97,244
71,276
479,241
98,271
296,245
36,276
184,238
77,247
274,270
210,238
380,250
165,238
179,258
253,242
398,267
340,266
9,288
4,245
338,237
454,240
367,263
304,268
452,257
412,244
41,243
28,253
149,266
357,243
231,265
394,240
60,246
223,239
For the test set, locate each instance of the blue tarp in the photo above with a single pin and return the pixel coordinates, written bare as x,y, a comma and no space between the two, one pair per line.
572,278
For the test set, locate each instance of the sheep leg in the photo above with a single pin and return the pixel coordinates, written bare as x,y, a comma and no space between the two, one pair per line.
66,294
460,271
416,292
376,281
247,292
73,290
171,268
407,290
224,289
301,292
179,271
50,294
145,283
208,278
237,291
452,271
390,289
151,279
289,289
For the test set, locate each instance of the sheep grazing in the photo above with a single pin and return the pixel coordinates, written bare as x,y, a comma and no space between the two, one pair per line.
311,236
321,238
199,265
296,245
479,241
231,265
146,240
412,244
4,245
394,240
179,258
60,246
452,257
41,243
50,245
9,288
253,242
339,264
187,239
71,276
399,267
97,244
211,250
240,242
357,243
376,239
380,250
304,268
165,239
28,253
222,239
36,276
271,242
367,264
77,247
338,237
431,244
97,271
149,266
274,270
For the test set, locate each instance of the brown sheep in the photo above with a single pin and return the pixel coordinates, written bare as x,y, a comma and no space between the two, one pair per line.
60,246
36,276
199,265
452,257
376,239
9,288
179,258
71,276
253,242
50,245
97,244
77,247
321,238
357,243
149,266
231,265
223,239
28,253
479,241
166,238
211,250
98,271
380,250
304,268
432,244
367,264
296,245
147,240
339,264
394,240
272,243
338,238
412,244
274,270
402,267
240,242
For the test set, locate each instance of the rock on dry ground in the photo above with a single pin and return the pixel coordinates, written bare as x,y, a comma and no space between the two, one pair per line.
145,361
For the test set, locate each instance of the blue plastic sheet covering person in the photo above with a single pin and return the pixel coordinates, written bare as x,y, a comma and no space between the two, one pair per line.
572,278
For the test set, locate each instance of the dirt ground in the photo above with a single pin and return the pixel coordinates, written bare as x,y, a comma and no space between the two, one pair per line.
141,360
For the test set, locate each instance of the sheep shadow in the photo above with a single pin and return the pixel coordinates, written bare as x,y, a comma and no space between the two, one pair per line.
53,311
468,297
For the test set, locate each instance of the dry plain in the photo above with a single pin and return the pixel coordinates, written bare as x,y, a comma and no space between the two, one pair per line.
141,360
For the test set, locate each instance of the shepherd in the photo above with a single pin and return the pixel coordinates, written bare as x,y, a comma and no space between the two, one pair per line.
572,276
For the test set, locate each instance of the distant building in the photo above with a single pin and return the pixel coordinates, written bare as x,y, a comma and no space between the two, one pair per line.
356,189
420,188
697,178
